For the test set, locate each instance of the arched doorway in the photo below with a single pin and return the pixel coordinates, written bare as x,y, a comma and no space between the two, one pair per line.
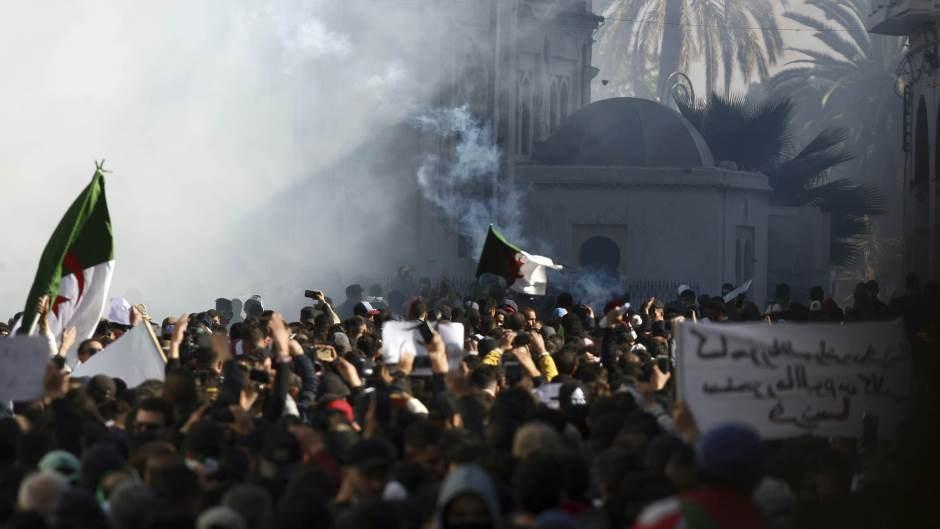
600,253
918,247
935,268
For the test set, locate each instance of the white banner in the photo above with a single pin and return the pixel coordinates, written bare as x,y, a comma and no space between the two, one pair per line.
402,336
23,362
795,379
134,358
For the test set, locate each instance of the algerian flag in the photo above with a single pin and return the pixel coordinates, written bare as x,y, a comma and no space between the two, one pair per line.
522,271
76,266
135,357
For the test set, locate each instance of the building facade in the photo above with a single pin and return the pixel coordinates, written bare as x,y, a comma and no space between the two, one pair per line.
919,74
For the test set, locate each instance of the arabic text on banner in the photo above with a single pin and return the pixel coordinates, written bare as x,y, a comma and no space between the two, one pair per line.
792,380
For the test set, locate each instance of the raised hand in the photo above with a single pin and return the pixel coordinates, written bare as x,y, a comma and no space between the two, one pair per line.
280,334
179,333
437,354
42,310
68,339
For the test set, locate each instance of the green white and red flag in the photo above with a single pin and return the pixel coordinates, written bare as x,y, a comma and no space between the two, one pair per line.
76,266
522,271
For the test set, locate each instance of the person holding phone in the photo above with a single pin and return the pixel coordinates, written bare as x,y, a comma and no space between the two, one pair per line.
318,296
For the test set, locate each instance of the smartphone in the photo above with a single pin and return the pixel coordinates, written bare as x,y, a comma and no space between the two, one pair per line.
325,353
312,294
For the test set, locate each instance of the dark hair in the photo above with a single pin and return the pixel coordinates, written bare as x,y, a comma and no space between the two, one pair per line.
417,308
82,347
159,405
566,360
538,483
423,434
483,376
816,293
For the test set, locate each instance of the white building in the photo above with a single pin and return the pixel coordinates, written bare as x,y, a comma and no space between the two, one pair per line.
625,185
919,71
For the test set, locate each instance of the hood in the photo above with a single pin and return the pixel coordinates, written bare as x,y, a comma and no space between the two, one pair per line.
467,479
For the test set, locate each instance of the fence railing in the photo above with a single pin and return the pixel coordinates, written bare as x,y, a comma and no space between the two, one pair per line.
638,289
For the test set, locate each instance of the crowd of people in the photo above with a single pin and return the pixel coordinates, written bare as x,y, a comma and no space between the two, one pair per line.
553,416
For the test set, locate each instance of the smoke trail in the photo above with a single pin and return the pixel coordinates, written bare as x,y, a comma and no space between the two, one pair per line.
462,184
591,287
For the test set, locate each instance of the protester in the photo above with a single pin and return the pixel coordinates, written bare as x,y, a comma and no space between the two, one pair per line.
549,416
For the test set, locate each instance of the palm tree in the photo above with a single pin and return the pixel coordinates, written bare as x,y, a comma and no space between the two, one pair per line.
850,84
730,36
758,136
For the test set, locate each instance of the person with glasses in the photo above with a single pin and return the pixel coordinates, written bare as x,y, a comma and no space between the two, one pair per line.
88,349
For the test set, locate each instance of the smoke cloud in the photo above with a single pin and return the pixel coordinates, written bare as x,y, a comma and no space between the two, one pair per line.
462,182
208,113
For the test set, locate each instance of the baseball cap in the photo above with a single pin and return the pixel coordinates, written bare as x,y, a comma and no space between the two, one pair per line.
341,405
683,289
732,454
120,311
62,462
364,308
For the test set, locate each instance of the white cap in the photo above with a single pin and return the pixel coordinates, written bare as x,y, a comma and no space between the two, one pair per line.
682,288
120,311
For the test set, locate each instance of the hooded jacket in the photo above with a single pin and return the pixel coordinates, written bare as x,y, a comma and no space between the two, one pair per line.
467,479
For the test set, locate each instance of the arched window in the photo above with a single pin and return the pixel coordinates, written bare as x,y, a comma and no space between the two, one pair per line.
748,261
525,116
936,200
563,106
538,112
919,247
553,107
600,254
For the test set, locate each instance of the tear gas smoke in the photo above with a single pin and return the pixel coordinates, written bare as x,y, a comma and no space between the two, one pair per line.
462,184
207,114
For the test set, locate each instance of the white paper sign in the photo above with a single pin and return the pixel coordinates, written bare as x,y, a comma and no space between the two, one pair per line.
402,336
23,362
134,358
795,379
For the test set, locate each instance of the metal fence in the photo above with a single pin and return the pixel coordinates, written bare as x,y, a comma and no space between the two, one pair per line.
643,289
638,289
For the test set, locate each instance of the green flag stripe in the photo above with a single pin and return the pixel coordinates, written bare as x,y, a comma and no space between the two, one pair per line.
85,232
